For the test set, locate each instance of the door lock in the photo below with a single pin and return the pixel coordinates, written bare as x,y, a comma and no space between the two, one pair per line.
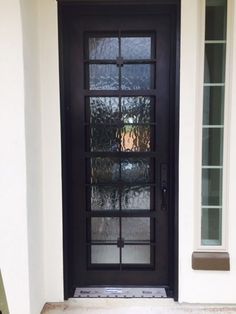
164,187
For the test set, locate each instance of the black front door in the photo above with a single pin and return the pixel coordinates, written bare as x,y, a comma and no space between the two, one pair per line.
118,133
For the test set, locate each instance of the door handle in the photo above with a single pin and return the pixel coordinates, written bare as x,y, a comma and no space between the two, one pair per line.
164,185
164,199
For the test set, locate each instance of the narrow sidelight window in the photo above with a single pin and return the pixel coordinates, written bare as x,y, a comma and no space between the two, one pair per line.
213,123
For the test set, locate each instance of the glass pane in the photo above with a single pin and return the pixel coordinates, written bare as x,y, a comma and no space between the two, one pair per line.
104,139
213,109
136,47
136,229
105,254
104,170
136,197
214,63
136,170
104,229
212,147
103,77
212,187
211,226
104,198
136,254
103,109
103,48
136,138
137,76
136,109
216,19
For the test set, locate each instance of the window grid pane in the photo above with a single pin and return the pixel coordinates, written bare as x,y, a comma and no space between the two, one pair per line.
213,123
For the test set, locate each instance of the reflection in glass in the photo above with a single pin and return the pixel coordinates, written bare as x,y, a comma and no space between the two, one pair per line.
104,229
214,63
104,198
103,77
101,48
136,198
104,170
136,76
136,254
136,109
212,187
136,170
136,47
135,229
216,19
136,138
212,146
104,109
213,109
104,139
211,226
105,254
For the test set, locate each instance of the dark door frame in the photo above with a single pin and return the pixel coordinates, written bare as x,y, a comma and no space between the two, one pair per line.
65,107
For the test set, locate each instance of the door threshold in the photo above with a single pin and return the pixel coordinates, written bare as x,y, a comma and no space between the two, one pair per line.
123,292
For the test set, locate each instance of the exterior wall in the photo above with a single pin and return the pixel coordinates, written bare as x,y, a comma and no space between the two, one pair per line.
13,202
29,14
51,149
201,286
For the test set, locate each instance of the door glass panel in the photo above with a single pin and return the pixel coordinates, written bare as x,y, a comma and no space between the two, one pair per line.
104,170
136,170
105,254
104,139
214,63
136,138
213,108
136,254
136,47
103,77
216,20
211,226
212,187
136,229
103,109
104,229
136,198
104,198
212,146
137,76
136,109
101,48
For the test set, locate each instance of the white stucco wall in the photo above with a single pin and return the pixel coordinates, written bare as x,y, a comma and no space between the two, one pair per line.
51,148
202,286
14,261
29,15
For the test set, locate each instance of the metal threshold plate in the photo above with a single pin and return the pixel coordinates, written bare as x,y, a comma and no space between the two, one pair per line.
109,292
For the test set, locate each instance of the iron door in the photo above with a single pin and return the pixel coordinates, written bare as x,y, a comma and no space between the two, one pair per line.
118,146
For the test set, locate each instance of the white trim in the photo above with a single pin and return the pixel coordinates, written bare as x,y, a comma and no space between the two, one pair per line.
205,126
199,206
211,206
215,41
199,122
212,167
213,84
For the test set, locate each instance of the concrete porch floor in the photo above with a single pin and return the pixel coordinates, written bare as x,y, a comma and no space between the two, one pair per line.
129,306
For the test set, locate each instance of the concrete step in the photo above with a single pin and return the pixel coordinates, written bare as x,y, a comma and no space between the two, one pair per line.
133,306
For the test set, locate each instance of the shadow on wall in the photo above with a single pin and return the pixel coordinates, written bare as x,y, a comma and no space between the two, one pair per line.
3,299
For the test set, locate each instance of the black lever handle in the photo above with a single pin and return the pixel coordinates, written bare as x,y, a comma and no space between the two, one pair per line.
164,190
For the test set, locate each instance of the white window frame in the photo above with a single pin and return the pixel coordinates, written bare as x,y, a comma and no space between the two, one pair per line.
199,116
